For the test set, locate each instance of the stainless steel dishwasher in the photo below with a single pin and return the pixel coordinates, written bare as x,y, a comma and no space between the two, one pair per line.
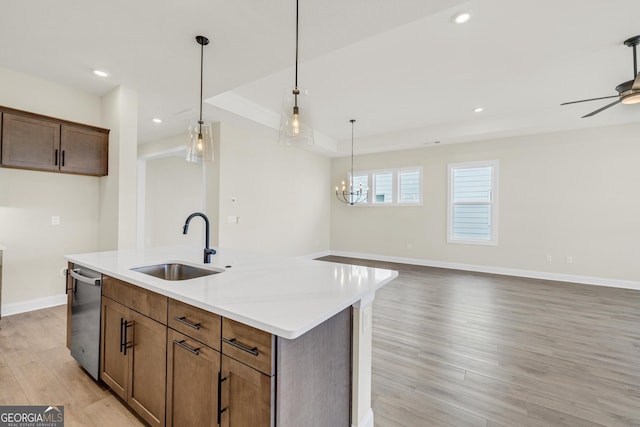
85,317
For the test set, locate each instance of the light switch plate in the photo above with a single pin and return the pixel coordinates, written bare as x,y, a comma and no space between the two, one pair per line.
55,220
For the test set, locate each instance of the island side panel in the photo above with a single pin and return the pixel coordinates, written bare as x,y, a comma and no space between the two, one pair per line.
361,412
314,376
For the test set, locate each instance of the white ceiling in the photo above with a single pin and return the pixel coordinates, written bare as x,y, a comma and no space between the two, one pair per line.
401,68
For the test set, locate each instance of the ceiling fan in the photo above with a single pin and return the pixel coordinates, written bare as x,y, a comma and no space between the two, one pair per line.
628,92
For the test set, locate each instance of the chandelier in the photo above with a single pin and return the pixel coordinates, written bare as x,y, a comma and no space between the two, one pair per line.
347,193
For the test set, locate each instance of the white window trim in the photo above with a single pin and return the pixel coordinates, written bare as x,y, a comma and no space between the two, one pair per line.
494,203
395,185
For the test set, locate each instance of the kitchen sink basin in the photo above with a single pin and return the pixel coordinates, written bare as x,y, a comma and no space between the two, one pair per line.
175,271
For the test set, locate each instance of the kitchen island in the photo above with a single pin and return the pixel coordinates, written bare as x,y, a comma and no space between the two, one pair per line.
305,306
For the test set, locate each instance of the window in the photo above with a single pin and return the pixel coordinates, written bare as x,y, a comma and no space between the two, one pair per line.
409,186
390,187
472,215
383,187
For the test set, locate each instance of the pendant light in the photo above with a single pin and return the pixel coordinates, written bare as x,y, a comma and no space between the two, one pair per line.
200,145
295,121
354,195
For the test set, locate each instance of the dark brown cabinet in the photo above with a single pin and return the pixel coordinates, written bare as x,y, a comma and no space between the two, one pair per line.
83,150
247,376
133,352
192,382
30,141
193,364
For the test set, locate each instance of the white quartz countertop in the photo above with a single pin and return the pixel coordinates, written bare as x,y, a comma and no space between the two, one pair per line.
284,296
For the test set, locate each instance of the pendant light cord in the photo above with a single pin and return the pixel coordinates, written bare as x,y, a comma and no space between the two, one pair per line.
201,80
351,183
297,44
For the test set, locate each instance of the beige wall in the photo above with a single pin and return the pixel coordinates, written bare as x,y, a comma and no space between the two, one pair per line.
280,194
175,188
117,222
28,199
562,194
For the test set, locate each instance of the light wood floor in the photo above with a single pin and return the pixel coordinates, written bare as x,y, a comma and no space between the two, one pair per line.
37,369
453,348
450,348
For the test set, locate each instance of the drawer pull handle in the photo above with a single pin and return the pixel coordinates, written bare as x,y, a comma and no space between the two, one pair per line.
236,344
184,320
186,347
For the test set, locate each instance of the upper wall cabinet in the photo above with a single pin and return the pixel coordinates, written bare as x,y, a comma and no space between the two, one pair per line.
30,141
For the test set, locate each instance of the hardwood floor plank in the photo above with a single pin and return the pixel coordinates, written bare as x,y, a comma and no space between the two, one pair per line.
110,412
37,369
534,352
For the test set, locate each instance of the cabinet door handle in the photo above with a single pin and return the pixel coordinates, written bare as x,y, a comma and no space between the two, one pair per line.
184,321
121,334
186,347
124,341
220,409
55,158
62,164
236,344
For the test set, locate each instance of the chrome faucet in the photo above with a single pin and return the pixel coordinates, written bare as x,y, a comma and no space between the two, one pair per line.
207,251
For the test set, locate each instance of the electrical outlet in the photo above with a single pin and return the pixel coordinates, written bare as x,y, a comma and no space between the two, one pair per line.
55,220
549,258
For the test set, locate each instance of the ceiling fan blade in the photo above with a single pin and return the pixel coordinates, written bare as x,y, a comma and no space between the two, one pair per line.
636,84
592,99
599,110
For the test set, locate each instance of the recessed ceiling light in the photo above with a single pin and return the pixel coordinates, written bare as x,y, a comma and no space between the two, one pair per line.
157,120
100,73
478,110
461,17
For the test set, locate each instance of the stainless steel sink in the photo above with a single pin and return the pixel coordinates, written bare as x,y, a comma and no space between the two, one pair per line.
175,271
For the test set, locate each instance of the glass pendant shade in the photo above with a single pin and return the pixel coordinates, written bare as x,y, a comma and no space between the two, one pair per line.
295,121
200,145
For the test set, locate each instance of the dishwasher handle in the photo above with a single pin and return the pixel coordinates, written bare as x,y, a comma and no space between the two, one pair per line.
84,279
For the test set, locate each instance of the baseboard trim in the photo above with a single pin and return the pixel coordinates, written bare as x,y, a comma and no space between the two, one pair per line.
315,255
34,304
588,280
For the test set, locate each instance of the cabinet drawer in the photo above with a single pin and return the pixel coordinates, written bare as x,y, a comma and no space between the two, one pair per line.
194,322
248,345
139,299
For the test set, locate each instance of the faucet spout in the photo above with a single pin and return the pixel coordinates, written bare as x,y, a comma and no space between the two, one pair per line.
207,251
